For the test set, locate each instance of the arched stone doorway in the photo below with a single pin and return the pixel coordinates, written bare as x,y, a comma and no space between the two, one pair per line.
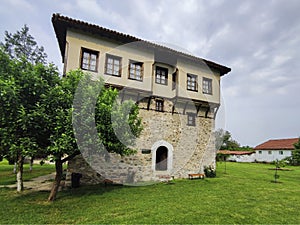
162,156
161,161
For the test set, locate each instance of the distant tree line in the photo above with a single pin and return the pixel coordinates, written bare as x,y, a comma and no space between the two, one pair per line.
224,141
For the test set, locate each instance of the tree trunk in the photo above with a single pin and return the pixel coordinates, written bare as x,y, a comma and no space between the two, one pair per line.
15,167
20,162
31,164
58,176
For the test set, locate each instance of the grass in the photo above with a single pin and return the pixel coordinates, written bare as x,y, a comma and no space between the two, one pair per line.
243,195
8,177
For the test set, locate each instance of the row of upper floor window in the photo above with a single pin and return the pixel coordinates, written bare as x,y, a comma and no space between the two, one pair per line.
113,67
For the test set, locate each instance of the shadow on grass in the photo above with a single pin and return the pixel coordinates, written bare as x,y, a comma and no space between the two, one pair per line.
67,193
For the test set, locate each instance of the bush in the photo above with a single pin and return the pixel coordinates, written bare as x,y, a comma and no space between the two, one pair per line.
209,171
294,160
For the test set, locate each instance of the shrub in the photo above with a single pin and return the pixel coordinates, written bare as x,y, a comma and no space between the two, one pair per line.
294,160
209,171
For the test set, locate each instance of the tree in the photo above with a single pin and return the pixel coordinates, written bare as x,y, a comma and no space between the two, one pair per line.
224,140
294,159
278,164
22,88
70,120
22,45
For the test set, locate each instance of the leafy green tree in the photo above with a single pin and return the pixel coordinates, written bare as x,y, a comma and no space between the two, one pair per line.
22,45
22,88
224,140
71,120
57,108
294,159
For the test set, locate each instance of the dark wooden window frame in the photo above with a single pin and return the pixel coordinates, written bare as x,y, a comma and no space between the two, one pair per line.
192,82
174,80
158,72
159,105
135,63
90,54
191,119
114,58
209,86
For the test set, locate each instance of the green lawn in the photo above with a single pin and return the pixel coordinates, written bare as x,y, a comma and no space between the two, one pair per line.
8,177
244,195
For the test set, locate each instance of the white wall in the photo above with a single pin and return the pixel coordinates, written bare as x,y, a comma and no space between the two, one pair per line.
271,155
77,40
242,158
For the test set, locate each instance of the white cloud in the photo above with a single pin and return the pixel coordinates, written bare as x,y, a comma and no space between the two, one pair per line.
278,60
232,91
23,5
244,8
259,40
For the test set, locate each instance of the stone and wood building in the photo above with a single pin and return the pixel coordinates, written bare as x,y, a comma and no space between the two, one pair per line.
178,95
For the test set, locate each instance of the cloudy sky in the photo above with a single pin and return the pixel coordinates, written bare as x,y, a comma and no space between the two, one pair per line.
259,40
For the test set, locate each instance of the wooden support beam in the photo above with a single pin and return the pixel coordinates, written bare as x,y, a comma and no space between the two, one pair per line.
149,102
174,104
122,96
137,97
185,107
207,111
215,113
198,108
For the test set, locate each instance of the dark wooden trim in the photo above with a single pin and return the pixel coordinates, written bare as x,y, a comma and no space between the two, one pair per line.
210,86
186,103
215,113
113,57
196,80
193,115
136,63
166,76
90,52
122,96
174,104
137,97
198,108
149,102
157,102
207,111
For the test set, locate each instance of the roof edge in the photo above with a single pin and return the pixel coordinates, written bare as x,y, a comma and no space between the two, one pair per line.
277,144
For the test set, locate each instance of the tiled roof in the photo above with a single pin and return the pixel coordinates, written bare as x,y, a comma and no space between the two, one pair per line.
228,152
278,144
62,23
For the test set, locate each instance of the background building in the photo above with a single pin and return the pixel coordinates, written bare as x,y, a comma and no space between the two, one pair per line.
272,150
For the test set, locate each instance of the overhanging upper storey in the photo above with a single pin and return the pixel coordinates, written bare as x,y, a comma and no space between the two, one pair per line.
62,23
126,61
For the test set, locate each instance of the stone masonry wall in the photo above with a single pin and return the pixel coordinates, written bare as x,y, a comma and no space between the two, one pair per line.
192,148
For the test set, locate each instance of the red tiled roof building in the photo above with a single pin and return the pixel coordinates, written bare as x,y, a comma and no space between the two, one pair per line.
272,150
